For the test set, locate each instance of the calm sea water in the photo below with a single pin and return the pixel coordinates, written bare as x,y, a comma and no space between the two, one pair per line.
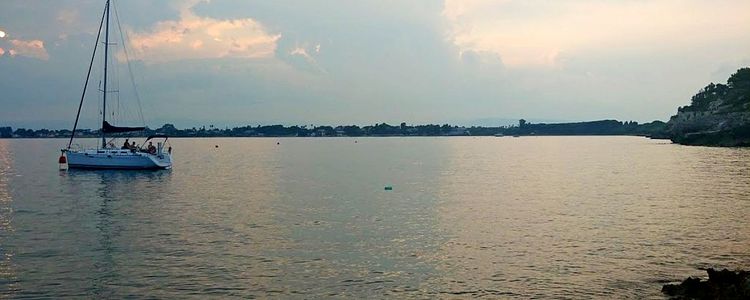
563,217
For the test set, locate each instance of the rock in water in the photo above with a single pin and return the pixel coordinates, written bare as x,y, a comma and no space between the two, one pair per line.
722,284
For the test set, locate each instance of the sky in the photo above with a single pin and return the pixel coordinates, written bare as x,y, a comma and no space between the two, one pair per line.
469,62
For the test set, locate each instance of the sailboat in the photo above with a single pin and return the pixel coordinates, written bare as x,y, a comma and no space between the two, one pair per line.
107,155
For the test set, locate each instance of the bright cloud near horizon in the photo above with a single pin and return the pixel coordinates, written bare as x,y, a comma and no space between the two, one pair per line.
195,37
554,28
340,62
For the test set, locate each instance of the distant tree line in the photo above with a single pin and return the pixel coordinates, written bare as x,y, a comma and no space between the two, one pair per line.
604,127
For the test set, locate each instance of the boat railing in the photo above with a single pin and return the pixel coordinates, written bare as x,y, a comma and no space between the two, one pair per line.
75,147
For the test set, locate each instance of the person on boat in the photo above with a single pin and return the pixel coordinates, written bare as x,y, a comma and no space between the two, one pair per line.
151,148
126,146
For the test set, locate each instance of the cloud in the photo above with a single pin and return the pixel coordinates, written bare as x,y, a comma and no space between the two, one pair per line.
196,37
31,48
456,9
435,60
538,33
474,58
307,55
300,51
67,16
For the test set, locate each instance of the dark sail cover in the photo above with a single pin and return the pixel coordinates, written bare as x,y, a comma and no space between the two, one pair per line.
108,128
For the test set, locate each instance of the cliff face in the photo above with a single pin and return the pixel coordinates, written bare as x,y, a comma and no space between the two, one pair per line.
719,115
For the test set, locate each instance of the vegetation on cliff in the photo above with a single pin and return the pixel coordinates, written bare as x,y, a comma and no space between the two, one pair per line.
718,115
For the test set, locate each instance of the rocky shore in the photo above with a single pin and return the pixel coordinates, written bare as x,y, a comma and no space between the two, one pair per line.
719,115
722,284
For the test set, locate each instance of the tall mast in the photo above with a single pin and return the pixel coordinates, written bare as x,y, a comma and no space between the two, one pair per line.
88,75
106,50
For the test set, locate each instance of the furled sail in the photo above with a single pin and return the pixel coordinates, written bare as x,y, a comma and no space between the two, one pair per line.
108,128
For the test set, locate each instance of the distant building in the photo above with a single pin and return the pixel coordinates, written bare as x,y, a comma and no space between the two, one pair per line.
340,131
457,131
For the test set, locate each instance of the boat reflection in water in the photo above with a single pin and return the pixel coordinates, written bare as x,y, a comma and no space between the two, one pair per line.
113,238
165,234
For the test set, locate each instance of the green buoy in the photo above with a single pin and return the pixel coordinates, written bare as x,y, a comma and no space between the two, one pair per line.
388,188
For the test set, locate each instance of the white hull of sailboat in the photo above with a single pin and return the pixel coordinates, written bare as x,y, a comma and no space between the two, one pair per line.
117,159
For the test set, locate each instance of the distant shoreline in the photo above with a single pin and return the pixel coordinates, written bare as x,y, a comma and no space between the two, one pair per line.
593,128
334,137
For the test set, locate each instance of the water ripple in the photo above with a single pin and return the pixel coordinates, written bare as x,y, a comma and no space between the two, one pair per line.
547,217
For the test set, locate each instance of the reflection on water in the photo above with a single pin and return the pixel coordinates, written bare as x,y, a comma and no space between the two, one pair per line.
353,238
590,217
112,215
8,278
575,217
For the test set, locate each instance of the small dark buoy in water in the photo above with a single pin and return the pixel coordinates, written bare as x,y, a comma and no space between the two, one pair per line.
355,141
278,143
63,161
388,188
216,146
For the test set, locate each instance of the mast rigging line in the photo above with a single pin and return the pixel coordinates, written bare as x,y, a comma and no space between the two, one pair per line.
88,75
130,69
